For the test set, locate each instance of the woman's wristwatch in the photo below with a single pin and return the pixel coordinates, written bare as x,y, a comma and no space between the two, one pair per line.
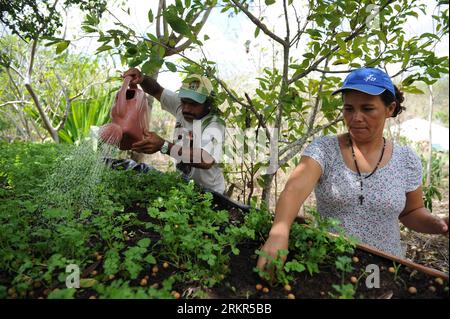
165,148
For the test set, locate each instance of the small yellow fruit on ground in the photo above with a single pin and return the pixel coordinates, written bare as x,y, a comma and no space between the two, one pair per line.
165,265
176,294
412,290
265,290
291,296
155,269
259,287
94,273
355,259
439,281
391,270
287,287
143,282
92,297
432,288
353,280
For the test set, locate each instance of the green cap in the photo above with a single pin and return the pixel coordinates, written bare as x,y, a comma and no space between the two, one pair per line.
196,87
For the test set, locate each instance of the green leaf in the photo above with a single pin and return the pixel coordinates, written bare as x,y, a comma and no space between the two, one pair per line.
179,5
150,16
104,48
144,242
172,67
150,259
88,29
177,24
62,46
412,90
151,66
257,31
269,2
340,61
67,293
132,50
314,33
294,266
87,282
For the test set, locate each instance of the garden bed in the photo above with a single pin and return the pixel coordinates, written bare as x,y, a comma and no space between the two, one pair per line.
153,235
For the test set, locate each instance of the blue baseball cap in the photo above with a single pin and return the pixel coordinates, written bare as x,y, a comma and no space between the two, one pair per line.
367,80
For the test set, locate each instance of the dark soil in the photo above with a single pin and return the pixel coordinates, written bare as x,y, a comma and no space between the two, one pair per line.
242,280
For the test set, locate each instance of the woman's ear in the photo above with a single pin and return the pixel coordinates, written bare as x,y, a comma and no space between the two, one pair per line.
390,109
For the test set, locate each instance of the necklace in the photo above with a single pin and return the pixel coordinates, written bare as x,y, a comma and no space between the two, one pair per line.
361,197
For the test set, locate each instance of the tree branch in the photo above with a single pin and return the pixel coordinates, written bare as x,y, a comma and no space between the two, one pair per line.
258,22
165,25
353,35
82,92
258,116
158,19
286,19
14,102
330,71
296,146
30,66
301,30
68,105
44,117
185,45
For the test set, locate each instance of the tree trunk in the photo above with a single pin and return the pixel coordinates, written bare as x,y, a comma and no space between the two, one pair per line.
268,179
430,142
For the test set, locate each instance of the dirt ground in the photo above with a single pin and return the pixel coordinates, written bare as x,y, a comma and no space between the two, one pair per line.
430,250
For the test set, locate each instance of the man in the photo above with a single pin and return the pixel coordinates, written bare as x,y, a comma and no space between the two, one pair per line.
199,132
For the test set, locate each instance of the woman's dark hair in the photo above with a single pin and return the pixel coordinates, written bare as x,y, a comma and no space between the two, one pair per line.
387,97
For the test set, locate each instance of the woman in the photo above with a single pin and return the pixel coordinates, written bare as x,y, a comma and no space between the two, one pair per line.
365,181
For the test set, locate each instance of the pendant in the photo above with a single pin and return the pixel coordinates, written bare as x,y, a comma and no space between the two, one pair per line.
361,199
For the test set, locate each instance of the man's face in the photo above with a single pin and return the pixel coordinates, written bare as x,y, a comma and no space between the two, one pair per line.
192,110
